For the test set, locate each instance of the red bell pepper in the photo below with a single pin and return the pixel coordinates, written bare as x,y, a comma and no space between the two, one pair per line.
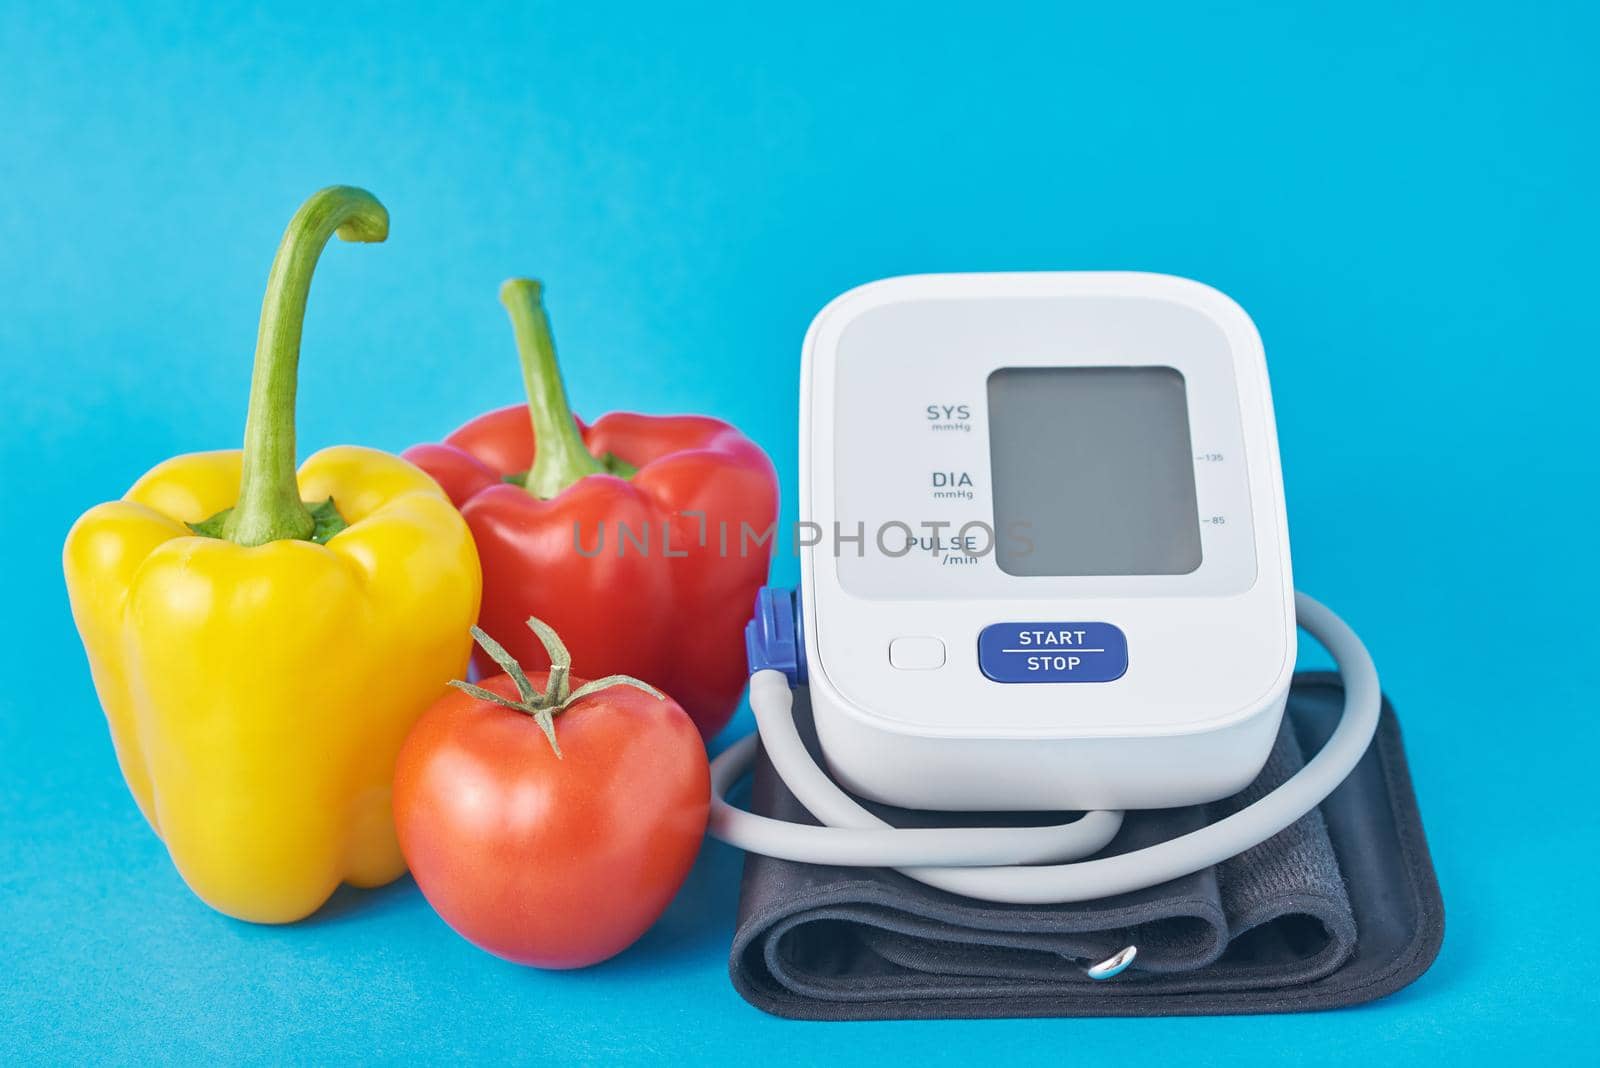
641,539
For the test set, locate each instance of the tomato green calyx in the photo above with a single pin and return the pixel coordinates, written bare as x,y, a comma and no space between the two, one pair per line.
269,507
560,455
558,694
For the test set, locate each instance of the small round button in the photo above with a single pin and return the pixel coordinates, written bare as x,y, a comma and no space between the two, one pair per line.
916,654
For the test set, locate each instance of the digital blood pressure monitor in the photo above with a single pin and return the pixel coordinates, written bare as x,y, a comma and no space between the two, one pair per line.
1044,566
1048,565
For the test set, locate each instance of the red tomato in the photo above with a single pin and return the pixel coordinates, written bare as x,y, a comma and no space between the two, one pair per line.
558,862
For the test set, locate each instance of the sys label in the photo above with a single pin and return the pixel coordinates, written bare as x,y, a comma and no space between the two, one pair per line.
1053,652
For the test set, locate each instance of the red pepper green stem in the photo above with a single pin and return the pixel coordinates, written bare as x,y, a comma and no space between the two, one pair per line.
560,457
269,507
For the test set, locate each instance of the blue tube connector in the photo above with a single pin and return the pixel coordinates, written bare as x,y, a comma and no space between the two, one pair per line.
774,637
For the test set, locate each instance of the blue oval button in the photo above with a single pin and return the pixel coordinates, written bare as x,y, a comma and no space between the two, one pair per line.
1052,652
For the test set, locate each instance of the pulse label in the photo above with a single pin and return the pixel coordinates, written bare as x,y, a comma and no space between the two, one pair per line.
1053,652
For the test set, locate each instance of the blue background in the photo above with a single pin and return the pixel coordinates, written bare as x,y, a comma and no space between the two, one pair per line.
1403,198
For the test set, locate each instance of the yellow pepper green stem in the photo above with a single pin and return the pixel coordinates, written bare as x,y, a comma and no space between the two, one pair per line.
269,506
560,457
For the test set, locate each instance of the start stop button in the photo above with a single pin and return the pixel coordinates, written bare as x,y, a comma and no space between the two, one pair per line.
1053,652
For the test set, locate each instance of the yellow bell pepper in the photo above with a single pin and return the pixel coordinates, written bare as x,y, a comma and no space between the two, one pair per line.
261,659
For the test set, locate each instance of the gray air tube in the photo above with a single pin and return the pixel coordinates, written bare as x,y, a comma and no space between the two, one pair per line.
1027,865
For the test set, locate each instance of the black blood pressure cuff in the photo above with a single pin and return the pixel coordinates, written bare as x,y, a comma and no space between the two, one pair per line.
1341,908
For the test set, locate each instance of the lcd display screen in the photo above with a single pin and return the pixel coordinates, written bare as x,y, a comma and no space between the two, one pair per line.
1093,471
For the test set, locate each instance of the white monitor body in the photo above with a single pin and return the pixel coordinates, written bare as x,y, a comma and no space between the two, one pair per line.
1128,637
